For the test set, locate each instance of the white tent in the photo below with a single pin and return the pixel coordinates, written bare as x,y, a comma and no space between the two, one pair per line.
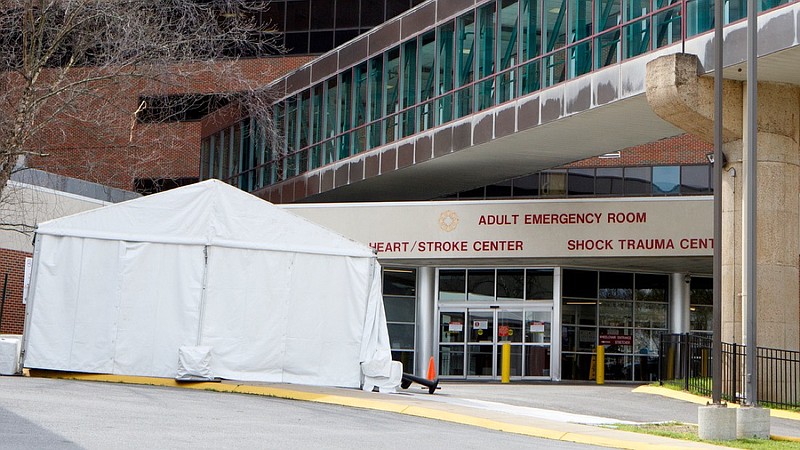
119,290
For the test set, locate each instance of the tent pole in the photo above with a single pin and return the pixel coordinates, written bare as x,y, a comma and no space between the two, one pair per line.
203,296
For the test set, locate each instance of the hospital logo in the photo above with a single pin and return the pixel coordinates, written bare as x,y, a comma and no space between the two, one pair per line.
448,221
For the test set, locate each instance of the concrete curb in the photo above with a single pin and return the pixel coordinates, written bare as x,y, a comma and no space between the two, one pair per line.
583,434
687,397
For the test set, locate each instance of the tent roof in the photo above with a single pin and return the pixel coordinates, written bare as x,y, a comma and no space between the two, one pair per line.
206,213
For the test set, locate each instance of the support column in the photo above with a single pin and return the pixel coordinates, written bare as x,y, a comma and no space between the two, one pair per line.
426,319
679,296
677,94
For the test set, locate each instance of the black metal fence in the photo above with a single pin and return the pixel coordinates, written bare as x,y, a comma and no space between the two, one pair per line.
685,362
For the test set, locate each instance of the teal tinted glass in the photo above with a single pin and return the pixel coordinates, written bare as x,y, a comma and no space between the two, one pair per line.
507,35
580,19
555,13
580,59
608,14
427,56
531,28
375,100
329,123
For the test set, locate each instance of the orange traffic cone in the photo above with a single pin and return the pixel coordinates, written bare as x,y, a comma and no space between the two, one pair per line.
431,369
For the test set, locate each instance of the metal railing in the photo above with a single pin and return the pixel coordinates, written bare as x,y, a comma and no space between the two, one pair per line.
685,362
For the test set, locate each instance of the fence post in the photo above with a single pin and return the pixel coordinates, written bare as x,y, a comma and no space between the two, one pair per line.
735,373
687,360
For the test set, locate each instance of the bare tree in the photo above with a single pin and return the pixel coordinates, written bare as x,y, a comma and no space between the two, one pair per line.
86,85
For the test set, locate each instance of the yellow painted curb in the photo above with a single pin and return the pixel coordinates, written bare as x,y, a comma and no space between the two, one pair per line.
687,397
410,410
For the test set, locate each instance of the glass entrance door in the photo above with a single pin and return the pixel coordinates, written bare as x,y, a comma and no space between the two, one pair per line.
471,342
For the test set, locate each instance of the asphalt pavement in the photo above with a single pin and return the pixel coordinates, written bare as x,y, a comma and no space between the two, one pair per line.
581,413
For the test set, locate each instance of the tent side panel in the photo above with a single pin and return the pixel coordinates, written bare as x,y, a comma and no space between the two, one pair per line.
285,317
75,305
161,286
326,320
245,312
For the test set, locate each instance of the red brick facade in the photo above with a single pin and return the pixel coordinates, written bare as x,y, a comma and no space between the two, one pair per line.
684,149
117,150
12,263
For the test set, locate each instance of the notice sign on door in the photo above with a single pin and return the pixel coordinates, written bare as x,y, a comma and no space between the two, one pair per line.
480,324
537,327
455,327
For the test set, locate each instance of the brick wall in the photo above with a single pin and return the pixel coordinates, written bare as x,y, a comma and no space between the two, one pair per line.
115,149
12,263
684,149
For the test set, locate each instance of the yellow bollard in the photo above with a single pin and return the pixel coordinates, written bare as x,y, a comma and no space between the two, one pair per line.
505,366
601,364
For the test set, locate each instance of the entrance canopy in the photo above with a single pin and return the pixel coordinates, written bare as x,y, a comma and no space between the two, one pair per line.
277,298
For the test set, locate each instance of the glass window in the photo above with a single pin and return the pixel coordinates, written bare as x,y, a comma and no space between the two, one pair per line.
322,15
444,64
668,27
580,182
452,285
375,100
485,50
579,283
616,313
399,309
473,193
401,335
499,190
330,108
651,315
616,285
297,15
316,113
553,183
451,326
531,77
579,311
304,110
539,284
347,13
391,96
538,327
580,19
555,12
637,181
236,149
651,287
399,281
580,59
510,284
205,154
409,85
608,181
224,153
696,180
699,16
554,68
480,284
701,291
507,49
637,38
636,8
359,106
527,186
427,55
465,63
608,14
511,324
666,179
345,111
607,49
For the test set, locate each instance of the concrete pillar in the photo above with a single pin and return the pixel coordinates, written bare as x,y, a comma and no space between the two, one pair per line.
426,319
679,293
752,423
677,94
716,422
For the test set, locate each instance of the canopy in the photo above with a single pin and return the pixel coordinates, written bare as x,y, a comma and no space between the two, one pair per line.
277,298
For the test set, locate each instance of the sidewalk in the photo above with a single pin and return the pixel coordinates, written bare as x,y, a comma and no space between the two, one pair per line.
515,408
